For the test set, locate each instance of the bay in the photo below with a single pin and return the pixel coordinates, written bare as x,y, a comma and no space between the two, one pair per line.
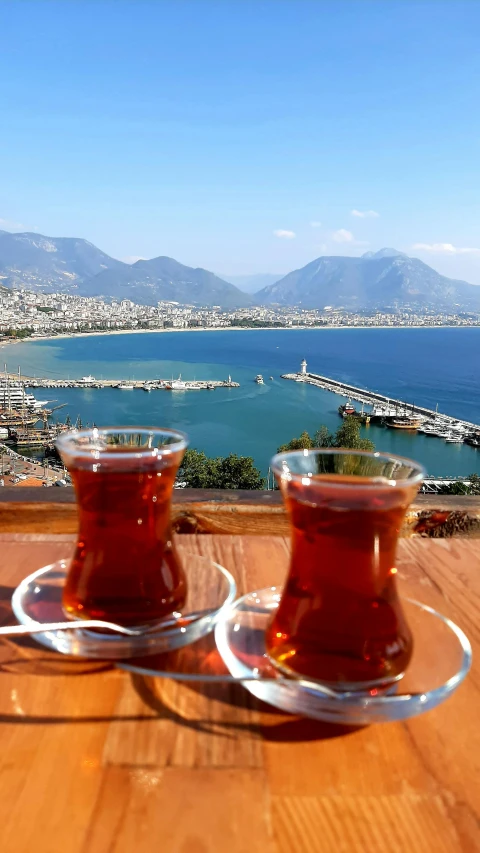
422,366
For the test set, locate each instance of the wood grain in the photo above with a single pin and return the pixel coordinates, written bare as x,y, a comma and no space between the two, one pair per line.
228,512
96,760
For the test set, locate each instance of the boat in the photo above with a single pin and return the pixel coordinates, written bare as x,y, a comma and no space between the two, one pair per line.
210,387
410,423
347,409
125,386
271,378
259,379
178,384
12,418
86,379
454,438
13,395
473,441
147,387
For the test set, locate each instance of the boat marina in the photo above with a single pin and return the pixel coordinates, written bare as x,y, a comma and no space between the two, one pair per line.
394,414
124,384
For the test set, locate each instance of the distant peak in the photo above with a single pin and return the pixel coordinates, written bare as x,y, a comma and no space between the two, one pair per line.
385,253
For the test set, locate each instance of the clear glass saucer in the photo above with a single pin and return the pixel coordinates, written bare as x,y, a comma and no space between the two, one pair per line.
441,660
211,591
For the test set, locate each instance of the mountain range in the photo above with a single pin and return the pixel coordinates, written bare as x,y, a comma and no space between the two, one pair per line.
71,265
383,279
386,279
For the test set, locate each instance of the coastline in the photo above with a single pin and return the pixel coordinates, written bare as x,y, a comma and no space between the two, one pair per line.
66,335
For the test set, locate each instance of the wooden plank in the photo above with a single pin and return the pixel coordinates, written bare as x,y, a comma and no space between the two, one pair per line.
227,512
105,762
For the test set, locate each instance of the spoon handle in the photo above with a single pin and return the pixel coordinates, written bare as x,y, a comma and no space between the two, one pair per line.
39,628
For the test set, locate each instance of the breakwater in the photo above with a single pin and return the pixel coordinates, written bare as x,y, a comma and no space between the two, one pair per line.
385,406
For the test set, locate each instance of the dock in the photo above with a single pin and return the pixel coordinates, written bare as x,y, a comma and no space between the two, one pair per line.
375,399
131,384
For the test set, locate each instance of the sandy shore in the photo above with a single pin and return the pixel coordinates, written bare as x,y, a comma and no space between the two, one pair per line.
64,335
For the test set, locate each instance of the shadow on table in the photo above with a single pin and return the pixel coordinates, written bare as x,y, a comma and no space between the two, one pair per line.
227,709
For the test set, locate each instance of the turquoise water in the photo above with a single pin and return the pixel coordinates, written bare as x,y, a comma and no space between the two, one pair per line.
423,366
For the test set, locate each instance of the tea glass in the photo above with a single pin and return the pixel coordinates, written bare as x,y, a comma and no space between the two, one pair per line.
125,568
340,621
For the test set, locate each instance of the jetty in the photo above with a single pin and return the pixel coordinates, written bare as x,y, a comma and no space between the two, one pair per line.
384,408
130,384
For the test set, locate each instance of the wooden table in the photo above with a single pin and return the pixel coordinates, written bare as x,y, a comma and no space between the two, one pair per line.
93,759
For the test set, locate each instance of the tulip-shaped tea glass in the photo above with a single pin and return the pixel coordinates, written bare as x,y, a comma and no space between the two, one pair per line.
125,568
340,621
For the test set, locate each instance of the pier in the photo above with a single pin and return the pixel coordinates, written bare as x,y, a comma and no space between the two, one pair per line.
129,384
385,408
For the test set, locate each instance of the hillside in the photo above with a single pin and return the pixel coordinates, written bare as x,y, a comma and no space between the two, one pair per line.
50,263
147,282
385,279
73,265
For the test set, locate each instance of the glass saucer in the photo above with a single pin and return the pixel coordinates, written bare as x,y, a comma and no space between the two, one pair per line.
211,590
441,660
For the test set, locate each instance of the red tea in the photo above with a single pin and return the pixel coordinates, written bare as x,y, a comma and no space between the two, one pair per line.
125,568
340,619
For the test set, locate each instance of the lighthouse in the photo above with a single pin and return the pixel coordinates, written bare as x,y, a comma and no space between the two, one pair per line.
304,368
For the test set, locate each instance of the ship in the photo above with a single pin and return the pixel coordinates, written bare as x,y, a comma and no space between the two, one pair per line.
347,409
178,384
259,379
12,418
125,386
409,423
13,396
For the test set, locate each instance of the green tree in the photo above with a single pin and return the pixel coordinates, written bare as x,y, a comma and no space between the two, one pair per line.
304,442
197,470
238,472
323,438
348,435
471,488
200,471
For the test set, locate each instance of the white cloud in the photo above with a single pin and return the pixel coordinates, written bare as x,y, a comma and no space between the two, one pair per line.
14,226
445,249
364,214
286,235
316,224
343,236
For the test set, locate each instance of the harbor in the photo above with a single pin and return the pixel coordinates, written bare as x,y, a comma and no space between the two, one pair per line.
392,413
129,384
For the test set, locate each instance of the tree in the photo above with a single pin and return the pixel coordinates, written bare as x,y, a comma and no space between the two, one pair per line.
323,438
459,488
304,442
238,472
200,471
197,470
348,436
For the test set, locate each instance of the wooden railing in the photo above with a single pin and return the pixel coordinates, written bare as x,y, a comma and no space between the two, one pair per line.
53,510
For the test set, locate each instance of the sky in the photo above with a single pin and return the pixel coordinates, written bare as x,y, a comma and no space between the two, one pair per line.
244,137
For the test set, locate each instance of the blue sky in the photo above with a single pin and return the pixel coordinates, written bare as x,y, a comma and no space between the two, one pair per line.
240,136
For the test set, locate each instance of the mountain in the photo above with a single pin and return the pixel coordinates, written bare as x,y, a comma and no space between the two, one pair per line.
42,263
384,279
253,283
385,253
147,282
72,265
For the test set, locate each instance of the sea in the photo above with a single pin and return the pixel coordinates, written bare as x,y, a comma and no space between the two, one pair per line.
421,366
